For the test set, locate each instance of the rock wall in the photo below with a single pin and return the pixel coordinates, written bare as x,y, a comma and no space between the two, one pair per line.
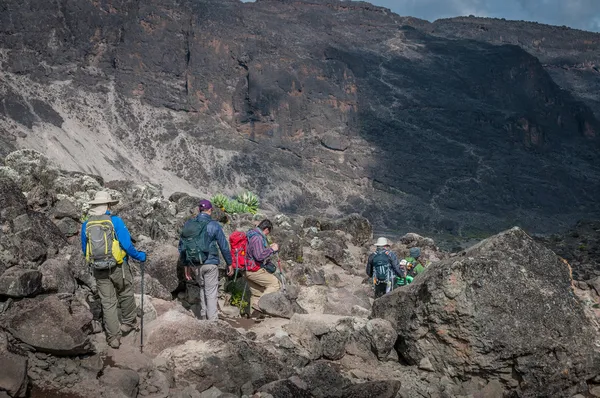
319,107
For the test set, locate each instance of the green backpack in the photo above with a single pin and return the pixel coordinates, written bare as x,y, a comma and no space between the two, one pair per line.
194,242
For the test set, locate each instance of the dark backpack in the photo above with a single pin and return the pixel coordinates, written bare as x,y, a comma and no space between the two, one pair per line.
238,242
194,242
382,266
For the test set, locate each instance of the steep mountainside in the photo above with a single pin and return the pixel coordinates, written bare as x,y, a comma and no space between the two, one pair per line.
318,106
571,57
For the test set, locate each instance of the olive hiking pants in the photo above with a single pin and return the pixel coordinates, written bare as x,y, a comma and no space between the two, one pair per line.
115,288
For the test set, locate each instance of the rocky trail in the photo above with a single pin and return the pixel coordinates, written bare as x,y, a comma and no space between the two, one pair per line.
503,318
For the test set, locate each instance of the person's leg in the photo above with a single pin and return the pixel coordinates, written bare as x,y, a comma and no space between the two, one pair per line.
266,282
198,276
210,274
108,298
380,289
256,290
123,281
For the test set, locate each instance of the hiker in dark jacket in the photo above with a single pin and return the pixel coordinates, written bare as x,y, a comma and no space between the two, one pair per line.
383,267
206,276
115,284
261,281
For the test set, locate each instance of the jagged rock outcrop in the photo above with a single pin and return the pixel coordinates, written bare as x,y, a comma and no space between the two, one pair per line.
503,310
346,109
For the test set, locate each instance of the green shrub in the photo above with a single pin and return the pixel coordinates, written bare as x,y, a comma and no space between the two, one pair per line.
244,203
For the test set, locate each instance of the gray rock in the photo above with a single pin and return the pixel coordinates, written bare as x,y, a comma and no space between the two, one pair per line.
152,287
125,380
57,277
16,282
65,209
382,335
334,344
488,311
279,304
13,377
356,225
68,226
324,379
162,265
379,389
285,389
222,364
62,332
174,328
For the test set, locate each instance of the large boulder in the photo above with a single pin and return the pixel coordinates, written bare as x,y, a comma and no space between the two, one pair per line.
57,276
227,365
162,265
174,328
50,325
505,309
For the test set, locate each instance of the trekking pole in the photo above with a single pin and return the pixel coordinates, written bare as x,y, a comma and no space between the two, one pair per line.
245,288
142,266
237,265
283,278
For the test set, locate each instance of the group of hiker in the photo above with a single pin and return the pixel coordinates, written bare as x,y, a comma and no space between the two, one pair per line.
387,272
250,253
107,246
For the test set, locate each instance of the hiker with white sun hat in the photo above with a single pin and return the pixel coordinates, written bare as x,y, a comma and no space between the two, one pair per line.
106,244
383,267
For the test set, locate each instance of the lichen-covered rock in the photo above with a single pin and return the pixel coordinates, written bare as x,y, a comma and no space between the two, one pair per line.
174,328
18,283
504,309
227,365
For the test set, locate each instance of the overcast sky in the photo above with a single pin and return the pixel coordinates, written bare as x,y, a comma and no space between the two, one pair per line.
581,14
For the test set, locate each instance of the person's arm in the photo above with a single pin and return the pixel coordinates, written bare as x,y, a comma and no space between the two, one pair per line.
83,238
398,268
215,230
369,269
124,239
258,251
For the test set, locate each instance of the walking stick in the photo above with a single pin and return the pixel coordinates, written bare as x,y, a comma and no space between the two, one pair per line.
142,266
283,278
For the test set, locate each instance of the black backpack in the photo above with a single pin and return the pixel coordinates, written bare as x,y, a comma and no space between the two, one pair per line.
382,266
195,246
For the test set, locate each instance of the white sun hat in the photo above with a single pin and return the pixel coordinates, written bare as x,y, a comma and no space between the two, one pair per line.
103,198
382,242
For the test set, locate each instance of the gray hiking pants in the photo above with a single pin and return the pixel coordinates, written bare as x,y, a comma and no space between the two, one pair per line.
115,288
207,277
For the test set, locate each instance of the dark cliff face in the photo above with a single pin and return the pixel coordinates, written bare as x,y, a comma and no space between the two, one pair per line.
319,106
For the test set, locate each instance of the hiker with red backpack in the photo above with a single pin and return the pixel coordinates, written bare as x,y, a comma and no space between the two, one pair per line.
252,254
198,243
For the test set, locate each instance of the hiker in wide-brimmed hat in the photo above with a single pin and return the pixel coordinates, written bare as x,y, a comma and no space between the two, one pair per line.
106,244
383,267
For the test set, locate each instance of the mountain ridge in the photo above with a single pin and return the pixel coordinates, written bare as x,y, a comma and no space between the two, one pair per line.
315,108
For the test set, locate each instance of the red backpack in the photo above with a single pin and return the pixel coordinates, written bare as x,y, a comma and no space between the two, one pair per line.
238,242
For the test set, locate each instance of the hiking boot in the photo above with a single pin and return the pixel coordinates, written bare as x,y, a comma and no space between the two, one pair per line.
114,343
125,328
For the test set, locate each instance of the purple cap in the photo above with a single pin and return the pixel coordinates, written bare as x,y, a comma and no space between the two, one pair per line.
205,204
